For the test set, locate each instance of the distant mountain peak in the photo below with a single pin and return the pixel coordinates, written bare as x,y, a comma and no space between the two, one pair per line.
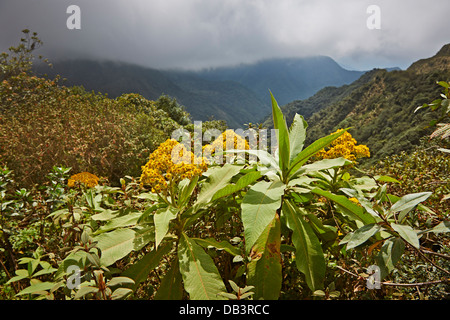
445,51
439,62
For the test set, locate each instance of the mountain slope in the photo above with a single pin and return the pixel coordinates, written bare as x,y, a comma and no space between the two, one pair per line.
288,78
380,110
236,94
203,99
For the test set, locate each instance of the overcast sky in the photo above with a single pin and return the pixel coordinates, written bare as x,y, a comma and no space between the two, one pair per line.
203,33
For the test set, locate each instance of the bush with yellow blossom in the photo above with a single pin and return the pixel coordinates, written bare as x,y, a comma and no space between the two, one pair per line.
88,179
345,146
170,163
226,141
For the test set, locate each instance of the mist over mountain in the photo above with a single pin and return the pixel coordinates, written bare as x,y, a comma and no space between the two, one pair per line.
379,106
289,79
238,94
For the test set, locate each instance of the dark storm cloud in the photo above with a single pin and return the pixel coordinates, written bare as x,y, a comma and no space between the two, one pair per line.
202,33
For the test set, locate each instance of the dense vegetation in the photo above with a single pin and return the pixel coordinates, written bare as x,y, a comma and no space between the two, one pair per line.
379,106
97,202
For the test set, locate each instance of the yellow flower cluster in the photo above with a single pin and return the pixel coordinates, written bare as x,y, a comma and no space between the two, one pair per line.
220,144
344,146
88,179
170,163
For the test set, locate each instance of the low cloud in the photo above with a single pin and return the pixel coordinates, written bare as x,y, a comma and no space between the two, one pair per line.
204,33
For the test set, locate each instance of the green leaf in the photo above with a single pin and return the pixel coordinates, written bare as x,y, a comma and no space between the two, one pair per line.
351,209
361,235
162,218
264,269
407,233
311,150
139,271
44,271
326,164
325,232
444,226
259,207
117,244
126,220
222,245
390,254
200,276
243,181
186,188
20,274
37,288
171,287
218,178
121,293
297,135
84,291
120,281
309,256
386,179
282,133
444,84
409,201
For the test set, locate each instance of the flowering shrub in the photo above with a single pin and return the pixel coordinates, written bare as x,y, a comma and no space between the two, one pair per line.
86,178
170,163
344,146
224,142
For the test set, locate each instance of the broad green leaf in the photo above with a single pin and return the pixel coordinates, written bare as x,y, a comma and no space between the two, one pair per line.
444,226
126,220
37,288
386,179
117,244
243,181
222,245
282,133
162,218
309,256
20,274
139,271
265,158
171,287
390,254
186,188
84,291
311,150
326,164
121,293
148,196
409,201
259,207
218,178
366,204
361,235
116,281
105,215
297,135
264,269
325,232
354,211
407,233
45,271
200,276
444,84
